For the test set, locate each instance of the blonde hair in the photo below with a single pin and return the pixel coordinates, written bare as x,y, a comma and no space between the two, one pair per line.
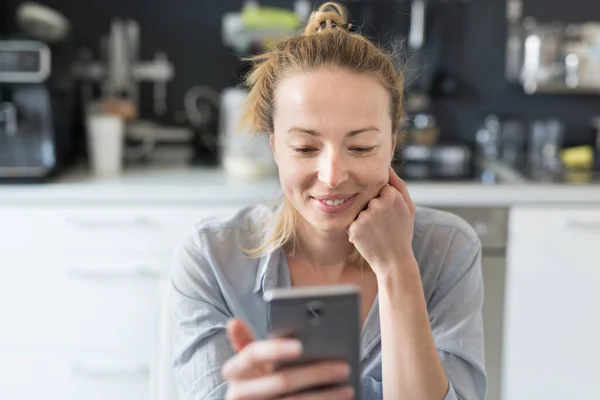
328,41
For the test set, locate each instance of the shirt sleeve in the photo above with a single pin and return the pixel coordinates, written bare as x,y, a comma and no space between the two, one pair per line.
200,314
455,313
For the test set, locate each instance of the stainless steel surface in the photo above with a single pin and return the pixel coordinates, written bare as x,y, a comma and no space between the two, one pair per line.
26,48
491,225
119,70
8,118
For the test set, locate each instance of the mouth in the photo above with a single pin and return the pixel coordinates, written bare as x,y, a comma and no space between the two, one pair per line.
332,205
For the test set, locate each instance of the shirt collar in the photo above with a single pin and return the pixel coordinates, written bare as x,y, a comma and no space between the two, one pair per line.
267,274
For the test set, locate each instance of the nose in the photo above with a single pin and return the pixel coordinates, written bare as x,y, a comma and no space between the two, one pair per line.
333,169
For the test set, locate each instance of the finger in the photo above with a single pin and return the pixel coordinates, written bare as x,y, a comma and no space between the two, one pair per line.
257,354
342,393
394,180
400,185
292,380
239,334
387,193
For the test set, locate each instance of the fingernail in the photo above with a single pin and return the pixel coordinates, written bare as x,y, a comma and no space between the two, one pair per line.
348,393
293,346
342,370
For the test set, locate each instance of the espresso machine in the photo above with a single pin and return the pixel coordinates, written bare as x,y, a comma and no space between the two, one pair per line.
36,96
34,143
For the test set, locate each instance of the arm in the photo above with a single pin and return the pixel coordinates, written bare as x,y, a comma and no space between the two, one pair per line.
431,349
435,355
200,344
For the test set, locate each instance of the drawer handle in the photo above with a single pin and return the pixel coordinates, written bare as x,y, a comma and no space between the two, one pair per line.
593,226
141,370
136,222
143,271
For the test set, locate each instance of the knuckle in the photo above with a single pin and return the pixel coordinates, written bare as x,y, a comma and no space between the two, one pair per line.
375,203
224,372
284,382
246,358
232,392
330,374
388,190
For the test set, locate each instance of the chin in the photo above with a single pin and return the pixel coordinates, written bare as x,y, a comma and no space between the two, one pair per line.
332,223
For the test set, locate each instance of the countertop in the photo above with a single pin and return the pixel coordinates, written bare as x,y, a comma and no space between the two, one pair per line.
199,186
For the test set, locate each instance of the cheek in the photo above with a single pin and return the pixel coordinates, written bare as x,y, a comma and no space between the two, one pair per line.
293,177
374,173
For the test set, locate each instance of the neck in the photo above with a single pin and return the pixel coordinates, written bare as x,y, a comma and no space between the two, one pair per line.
328,251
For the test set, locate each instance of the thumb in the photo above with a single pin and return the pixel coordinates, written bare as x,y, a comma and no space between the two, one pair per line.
395,180
239,334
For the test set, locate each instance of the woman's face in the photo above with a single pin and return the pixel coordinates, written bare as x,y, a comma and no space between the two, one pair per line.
332,143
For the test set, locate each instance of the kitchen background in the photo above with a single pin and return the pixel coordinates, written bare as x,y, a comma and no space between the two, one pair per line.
473,51
506,139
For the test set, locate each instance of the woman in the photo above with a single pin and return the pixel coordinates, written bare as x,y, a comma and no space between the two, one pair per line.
331,102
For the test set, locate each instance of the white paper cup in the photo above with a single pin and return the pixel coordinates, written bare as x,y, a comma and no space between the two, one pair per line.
105,136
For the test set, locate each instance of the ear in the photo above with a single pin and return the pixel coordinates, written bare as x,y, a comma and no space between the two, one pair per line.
394,142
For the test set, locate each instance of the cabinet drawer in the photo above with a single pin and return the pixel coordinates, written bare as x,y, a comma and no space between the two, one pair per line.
53,377
31,304
104,378
32,377
112,309
132,229
72,304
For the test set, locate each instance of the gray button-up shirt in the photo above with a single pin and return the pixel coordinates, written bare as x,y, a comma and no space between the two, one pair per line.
214,281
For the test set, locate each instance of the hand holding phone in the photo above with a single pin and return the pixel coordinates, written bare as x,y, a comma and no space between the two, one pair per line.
251,373
325,319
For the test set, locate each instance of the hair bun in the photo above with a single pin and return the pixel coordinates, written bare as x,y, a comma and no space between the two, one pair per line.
329,16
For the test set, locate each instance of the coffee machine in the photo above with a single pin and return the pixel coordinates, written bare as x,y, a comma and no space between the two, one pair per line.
35,121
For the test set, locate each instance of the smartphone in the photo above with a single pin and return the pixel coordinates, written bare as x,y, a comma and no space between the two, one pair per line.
326,319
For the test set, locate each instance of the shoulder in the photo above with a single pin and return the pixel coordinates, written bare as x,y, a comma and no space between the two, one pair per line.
442,226
244,229
213,252
445,246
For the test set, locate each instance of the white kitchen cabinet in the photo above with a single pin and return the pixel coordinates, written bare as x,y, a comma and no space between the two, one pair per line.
552,323
54,377
114,228
31,303
111,310
32,377
106,377
79,293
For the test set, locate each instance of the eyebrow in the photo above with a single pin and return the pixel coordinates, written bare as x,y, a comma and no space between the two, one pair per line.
315,133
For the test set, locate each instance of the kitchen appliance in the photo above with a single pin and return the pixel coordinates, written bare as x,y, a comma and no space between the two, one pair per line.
243,154
121,71
442,162
491,226
35,112
552,57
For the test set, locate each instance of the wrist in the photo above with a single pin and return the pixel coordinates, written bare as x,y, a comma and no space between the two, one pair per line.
403,272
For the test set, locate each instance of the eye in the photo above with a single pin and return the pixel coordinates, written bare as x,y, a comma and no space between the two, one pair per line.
304,150
362,150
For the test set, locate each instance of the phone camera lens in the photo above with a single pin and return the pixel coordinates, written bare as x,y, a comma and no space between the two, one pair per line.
314,312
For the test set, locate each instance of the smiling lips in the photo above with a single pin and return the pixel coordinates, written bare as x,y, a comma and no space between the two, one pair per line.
333,203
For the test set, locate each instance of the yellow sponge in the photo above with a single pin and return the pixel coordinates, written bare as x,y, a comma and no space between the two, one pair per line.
581,157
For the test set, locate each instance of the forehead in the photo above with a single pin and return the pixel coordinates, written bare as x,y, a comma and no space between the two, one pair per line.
331,97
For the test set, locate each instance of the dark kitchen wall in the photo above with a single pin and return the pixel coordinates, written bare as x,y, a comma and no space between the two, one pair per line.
472,50
3,17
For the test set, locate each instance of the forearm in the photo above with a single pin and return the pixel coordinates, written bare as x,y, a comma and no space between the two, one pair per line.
411,366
